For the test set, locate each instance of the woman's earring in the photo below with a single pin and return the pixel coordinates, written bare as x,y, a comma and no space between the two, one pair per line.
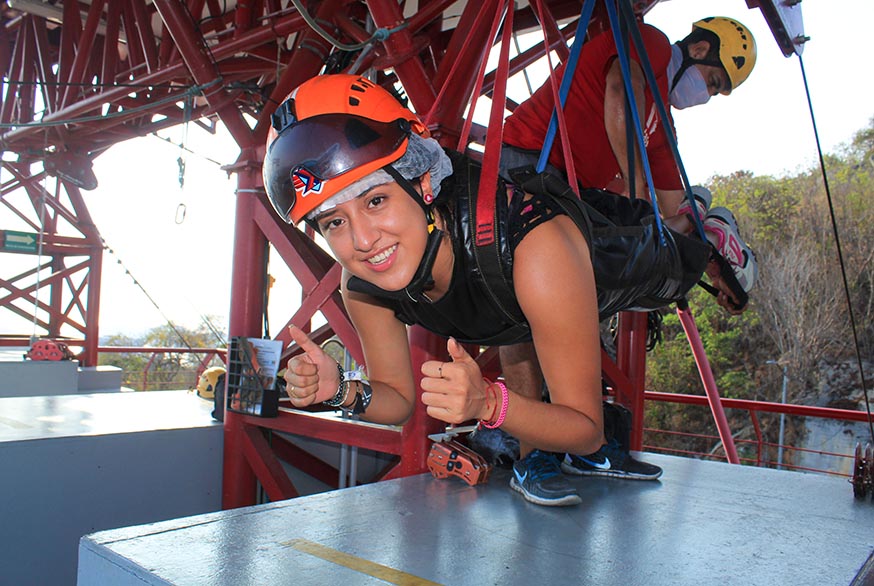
428,198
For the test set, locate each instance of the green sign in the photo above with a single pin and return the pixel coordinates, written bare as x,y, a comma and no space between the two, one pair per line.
20,241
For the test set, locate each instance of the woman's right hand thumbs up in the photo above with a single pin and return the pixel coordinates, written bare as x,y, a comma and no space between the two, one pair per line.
311,377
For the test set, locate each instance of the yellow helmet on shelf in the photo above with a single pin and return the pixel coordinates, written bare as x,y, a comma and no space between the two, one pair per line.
211,379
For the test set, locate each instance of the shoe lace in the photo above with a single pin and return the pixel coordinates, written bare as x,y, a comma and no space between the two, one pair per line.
542,466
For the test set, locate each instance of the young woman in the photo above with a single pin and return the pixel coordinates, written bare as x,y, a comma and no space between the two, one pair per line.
394,208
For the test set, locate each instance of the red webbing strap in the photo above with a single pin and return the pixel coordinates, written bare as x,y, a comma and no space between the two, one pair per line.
562,124
480,79
450,78
486,197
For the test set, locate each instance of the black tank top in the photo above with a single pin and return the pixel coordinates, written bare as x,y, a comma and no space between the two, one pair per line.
467,311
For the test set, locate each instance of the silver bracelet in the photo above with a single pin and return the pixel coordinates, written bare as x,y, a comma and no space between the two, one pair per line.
342,391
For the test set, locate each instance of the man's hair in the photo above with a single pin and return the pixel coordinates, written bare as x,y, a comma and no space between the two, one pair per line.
700,34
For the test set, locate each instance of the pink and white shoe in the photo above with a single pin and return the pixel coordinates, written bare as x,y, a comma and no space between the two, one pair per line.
721,229
703,197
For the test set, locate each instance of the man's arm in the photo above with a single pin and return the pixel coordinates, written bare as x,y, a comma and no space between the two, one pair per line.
615,121
670,200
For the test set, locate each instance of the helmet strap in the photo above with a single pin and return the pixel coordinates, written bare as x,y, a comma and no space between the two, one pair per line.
688,62
422,280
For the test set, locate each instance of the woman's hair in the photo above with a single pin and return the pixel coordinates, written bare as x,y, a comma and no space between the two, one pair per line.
444,207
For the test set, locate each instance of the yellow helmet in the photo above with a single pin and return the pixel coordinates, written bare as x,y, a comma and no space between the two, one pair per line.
737,47
211,379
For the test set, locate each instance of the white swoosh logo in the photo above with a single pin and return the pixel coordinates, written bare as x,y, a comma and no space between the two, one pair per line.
605,465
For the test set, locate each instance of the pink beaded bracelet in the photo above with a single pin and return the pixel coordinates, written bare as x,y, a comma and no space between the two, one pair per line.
505,402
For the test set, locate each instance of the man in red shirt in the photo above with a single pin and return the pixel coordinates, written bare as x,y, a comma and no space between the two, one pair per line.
715,58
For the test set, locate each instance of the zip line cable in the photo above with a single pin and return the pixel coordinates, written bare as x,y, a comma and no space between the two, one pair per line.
380,34
42,231
214,330
204,318
150,107
831,209
146,293
182,147
90,84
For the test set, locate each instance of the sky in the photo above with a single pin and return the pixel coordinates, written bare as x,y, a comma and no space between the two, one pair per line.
185,264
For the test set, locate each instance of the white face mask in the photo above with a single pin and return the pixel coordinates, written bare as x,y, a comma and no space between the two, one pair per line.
690,91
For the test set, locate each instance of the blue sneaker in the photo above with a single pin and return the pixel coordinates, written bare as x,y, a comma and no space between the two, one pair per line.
538,478
610,460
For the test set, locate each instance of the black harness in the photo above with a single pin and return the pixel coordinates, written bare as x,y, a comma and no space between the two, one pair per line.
632,269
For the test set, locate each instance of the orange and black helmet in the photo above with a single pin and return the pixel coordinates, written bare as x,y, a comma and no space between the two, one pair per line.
329,133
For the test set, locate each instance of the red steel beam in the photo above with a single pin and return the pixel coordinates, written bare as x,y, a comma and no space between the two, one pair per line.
402,52
457,70
265,34
304,63
144,35
631,360
135,55
247,308
200,64
43,64
71,34
368,436
75,78
266,465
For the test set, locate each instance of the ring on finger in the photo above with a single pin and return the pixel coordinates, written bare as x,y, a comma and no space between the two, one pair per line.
440,370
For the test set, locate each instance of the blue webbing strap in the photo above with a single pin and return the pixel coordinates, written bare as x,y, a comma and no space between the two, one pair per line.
570,67
629,92
628,15
629,131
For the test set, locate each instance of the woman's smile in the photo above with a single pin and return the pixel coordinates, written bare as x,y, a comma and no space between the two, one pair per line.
383,259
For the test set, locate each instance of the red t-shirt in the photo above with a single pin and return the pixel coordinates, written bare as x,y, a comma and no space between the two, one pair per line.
593,157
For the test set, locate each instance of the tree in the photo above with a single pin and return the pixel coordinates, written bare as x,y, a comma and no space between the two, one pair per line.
798,315
155,371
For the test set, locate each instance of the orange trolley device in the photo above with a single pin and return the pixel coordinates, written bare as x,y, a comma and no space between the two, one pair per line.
451,458
49,350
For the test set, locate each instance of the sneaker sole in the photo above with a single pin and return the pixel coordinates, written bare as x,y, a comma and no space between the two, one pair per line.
571,499
568,469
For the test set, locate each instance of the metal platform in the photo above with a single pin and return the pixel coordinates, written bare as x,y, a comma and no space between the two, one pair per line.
75,464
39,378
704,523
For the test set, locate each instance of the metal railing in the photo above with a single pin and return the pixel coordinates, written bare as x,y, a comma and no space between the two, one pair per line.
760,446
183,376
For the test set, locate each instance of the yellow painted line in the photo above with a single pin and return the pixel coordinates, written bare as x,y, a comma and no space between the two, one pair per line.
13,423
358,564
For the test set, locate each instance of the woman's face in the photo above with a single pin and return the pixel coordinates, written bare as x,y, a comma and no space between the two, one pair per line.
379,236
